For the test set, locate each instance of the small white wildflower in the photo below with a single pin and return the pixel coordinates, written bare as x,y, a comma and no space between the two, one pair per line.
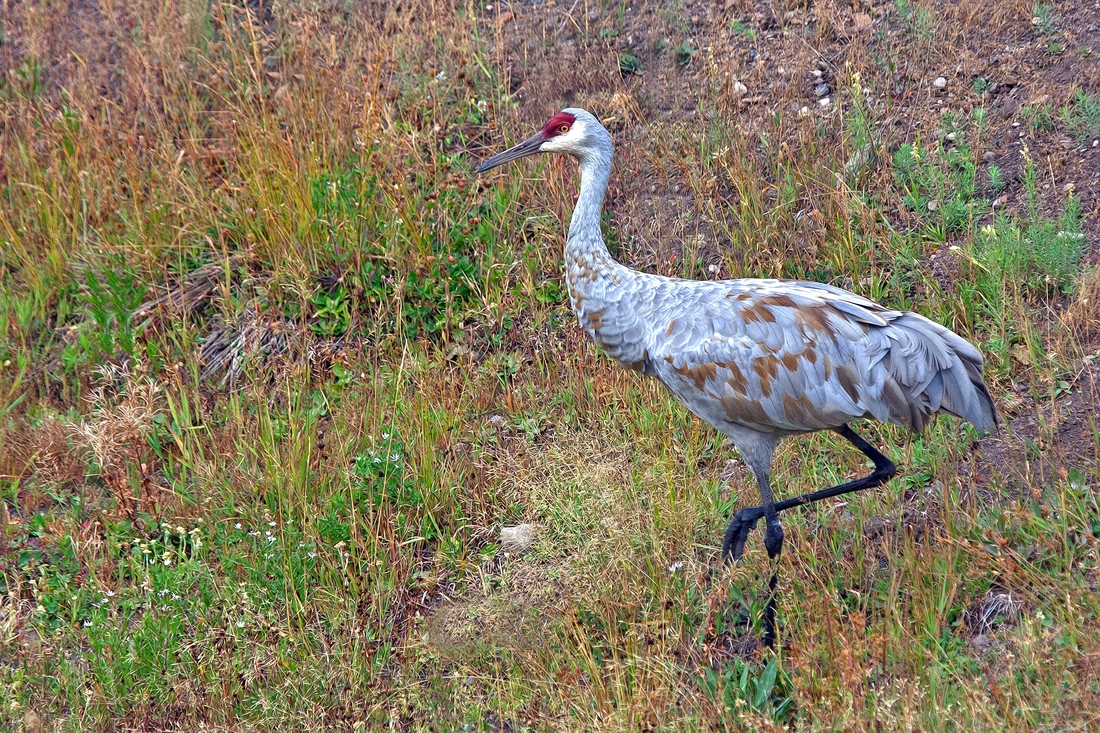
110,594
385,436
167,561
675,566
102,601
237,525
162,592
87,624
271,524
312,555
240,624
270,538
377,459
176,597
395,456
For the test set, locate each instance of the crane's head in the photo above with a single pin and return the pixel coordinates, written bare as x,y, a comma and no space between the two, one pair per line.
572,132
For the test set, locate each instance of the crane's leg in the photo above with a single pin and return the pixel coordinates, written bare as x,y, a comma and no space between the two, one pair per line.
745,520
741,524
733,545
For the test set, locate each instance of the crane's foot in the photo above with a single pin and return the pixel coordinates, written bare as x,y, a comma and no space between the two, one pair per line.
733,546
737,533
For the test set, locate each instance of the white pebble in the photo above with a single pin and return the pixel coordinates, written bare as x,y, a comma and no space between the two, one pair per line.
940,82
517,540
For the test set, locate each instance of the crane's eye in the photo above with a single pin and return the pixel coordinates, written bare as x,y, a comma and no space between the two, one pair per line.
563,129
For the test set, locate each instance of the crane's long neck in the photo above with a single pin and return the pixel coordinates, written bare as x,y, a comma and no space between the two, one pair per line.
585,249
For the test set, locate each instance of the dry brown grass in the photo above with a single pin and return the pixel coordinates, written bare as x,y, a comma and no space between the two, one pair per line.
256,482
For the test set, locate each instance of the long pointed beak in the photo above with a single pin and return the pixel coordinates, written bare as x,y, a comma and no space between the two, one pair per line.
530,146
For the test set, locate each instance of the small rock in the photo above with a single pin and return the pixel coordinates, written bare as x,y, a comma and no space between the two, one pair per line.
740,89
517,540
804,112
824,101
816,73
862,21
940,82
989,156
821,90
933,205
1009,106
980,643
950,137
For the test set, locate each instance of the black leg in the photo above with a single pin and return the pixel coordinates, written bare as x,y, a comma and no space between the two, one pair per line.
733,545
770,633
745,520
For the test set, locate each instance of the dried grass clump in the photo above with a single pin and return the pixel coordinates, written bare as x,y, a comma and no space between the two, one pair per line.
46,452
115,433
1082,317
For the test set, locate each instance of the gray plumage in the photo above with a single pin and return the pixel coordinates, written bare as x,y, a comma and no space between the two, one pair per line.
758,359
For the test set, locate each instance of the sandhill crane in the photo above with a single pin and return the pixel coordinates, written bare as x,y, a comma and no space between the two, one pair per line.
758,359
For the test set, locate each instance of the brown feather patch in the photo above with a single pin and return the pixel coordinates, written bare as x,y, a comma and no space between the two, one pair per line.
848,381
766,367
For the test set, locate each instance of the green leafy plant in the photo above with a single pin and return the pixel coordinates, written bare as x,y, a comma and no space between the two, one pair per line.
331,316
1082,115
739,28
108,333
939,185
749,688
1039,117
629,63
918,20
996,178
685,52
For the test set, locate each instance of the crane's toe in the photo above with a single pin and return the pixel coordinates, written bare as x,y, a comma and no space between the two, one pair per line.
733,545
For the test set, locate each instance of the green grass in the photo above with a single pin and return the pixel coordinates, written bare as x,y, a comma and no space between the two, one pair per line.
1082,116
275,369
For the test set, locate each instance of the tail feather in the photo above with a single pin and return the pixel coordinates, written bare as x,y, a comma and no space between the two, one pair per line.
938,371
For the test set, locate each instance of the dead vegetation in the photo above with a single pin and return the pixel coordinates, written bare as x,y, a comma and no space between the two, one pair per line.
276,370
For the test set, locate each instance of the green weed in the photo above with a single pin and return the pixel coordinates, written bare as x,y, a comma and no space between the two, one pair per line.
1082,116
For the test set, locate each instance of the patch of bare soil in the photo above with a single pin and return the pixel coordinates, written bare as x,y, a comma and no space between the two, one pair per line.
512,613
1041,446
777,59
